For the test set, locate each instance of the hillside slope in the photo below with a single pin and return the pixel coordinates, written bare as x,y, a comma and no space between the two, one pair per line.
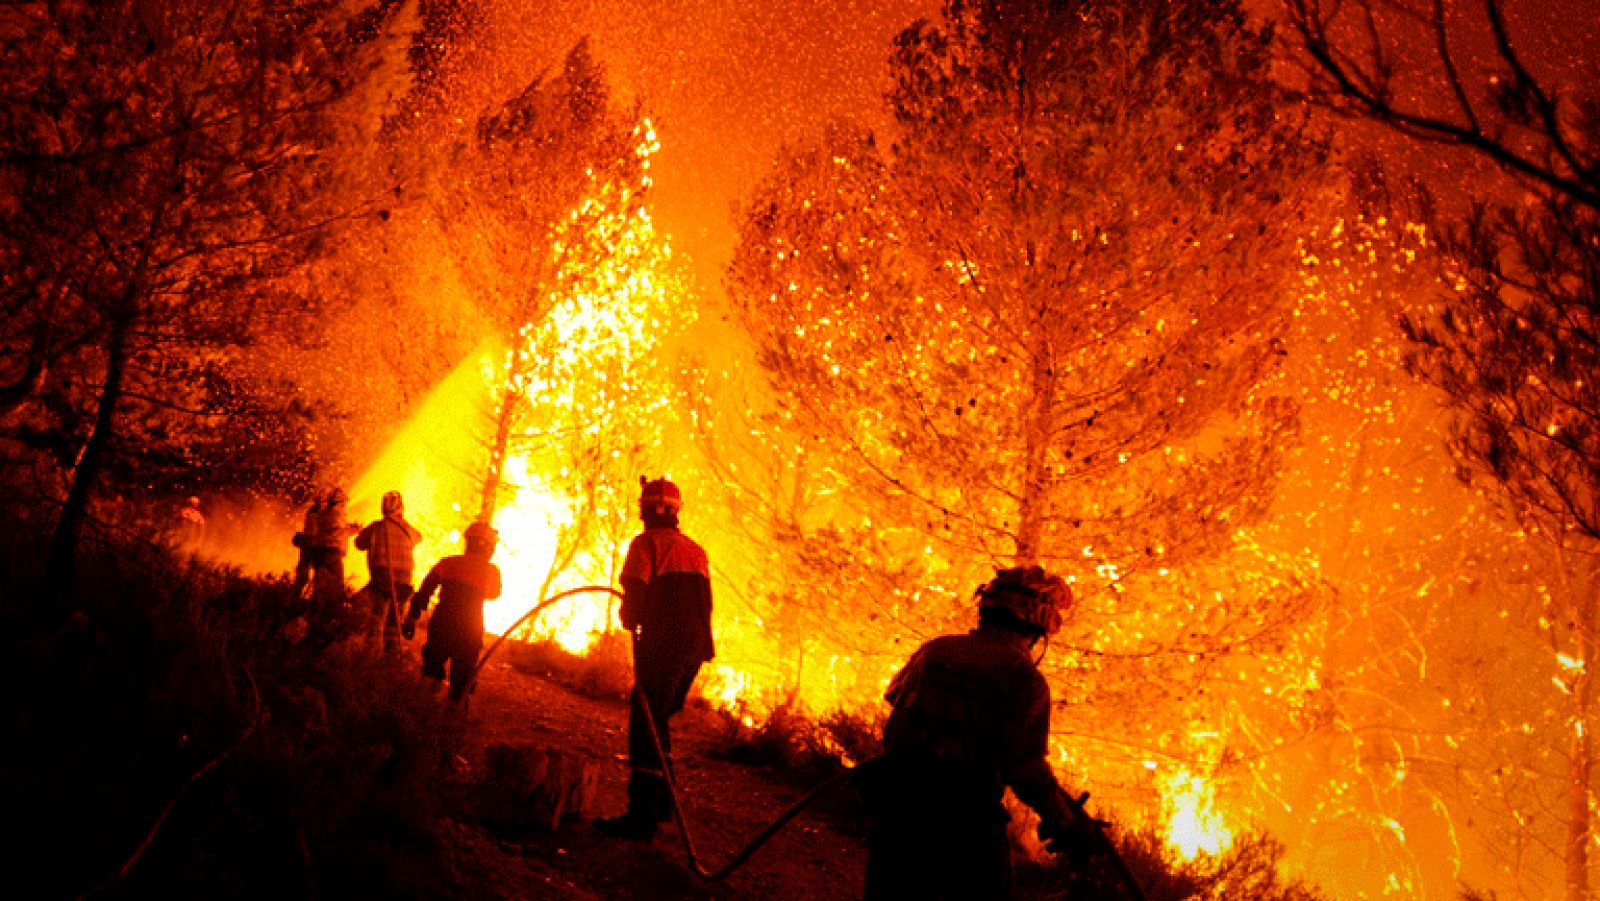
820,855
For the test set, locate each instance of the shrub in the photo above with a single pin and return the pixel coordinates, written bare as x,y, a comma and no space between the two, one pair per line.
162,668
788,739
1249,871
605,672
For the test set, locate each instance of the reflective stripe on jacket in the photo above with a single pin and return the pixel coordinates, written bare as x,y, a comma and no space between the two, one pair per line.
666,581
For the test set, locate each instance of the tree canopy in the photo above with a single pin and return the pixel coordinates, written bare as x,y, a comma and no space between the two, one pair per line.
165,168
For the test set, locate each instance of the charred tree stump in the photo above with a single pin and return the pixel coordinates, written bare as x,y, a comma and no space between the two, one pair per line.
532,786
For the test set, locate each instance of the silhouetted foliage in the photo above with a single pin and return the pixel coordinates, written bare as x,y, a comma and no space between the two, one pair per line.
164,169
111,718
1249,871
1512,339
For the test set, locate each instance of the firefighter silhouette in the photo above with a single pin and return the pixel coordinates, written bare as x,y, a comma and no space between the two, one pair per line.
971,717
390,543
455,631
666,586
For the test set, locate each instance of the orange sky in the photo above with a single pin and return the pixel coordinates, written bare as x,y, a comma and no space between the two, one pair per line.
729,80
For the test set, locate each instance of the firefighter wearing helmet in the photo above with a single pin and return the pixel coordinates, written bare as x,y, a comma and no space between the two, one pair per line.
666,586
971,717
390,544
329,541
455,632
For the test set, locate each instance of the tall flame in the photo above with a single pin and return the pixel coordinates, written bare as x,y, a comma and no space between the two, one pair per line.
1194,825
576,384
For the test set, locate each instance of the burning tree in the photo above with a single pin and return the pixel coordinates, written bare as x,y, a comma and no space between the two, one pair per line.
770,492
1034,327
1511,340
583,393
165,167
534,205
542,207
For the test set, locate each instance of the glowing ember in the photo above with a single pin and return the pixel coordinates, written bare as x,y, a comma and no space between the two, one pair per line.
1194,825
729,689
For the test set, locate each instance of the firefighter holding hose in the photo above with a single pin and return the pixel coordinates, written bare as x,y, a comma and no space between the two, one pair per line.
971,717
390,543
666,605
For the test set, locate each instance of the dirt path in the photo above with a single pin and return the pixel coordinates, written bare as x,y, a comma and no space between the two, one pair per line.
820,855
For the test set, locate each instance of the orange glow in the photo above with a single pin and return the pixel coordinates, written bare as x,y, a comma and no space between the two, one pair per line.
1194,824
573,376
426,463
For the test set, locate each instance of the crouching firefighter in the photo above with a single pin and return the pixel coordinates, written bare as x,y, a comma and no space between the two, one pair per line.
971,717
666,588
455,633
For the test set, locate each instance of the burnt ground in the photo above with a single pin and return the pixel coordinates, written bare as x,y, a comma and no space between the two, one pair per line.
820,855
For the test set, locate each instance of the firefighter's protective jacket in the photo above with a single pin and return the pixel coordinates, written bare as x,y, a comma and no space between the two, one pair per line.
390,544
464,582
978,702
666,584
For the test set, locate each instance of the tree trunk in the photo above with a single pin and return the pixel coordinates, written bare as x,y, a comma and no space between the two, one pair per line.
1041,416
1579,764
1036,457
499,448
526,785
62,556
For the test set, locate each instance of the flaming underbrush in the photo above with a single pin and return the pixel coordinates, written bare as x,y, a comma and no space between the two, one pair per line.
789,738
1250,870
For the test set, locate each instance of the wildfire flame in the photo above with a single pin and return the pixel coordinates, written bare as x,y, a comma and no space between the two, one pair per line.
1194,825
425,463
572,381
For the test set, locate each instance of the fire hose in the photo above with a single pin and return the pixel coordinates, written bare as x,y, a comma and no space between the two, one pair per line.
749,849
755,844
739,859
472,678
1075,804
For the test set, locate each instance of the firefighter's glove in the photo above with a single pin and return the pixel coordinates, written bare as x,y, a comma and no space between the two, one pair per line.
408,629
1077,840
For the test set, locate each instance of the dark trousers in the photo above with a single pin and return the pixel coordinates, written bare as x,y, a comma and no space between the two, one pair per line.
662,676
452,646
938,829
327,578
386,596
938,859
